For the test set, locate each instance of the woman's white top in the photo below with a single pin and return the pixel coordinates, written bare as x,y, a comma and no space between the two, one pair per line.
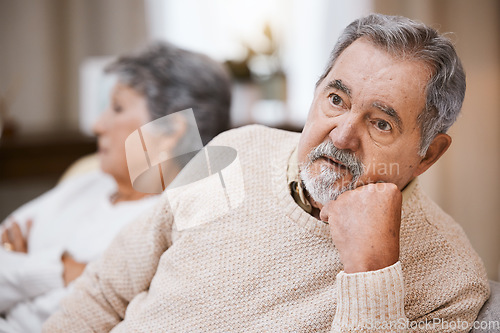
75,217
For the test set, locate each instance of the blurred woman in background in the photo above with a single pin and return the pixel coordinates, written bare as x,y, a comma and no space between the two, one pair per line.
47,242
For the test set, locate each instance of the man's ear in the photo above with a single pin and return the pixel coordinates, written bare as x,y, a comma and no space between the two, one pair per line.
437,148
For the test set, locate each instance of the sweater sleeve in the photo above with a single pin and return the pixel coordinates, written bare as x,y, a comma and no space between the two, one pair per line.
370,301
462,303
101,295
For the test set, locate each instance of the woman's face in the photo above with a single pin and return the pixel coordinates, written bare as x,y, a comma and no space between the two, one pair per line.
127,112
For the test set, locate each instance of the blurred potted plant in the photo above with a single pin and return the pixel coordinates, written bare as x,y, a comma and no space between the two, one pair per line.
262,75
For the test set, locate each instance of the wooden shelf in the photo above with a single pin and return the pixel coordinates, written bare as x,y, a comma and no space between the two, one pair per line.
41,155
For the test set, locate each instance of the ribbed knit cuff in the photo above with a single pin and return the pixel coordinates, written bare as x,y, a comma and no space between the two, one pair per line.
370,300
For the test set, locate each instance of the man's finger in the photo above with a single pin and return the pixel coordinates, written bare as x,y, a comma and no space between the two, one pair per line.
324,213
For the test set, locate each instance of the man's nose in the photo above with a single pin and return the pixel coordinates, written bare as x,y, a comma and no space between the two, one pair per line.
346,133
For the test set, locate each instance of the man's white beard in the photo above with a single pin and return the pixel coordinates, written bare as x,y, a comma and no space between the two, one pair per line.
322,188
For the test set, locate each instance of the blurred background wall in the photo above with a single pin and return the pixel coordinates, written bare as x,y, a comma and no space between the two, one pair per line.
275,51
43,43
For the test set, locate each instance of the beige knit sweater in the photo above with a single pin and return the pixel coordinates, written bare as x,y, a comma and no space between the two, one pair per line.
251,260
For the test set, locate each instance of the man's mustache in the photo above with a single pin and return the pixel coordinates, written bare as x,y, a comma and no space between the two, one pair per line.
348,159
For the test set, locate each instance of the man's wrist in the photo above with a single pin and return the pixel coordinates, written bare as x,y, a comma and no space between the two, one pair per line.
369,265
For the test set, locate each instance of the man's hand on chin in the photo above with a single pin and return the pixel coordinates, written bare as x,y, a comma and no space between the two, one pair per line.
364,225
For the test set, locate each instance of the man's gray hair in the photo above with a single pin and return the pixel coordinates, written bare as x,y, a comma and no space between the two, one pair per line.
172,79
408,39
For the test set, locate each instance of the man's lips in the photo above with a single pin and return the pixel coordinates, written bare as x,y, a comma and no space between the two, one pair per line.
334,162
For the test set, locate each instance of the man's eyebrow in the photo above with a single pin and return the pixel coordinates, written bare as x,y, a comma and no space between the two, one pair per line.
391,113
339,85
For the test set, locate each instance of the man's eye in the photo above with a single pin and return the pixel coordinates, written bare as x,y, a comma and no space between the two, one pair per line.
383,125
336,99
117,108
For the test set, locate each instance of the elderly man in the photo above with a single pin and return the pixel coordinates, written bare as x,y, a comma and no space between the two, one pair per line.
333,234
